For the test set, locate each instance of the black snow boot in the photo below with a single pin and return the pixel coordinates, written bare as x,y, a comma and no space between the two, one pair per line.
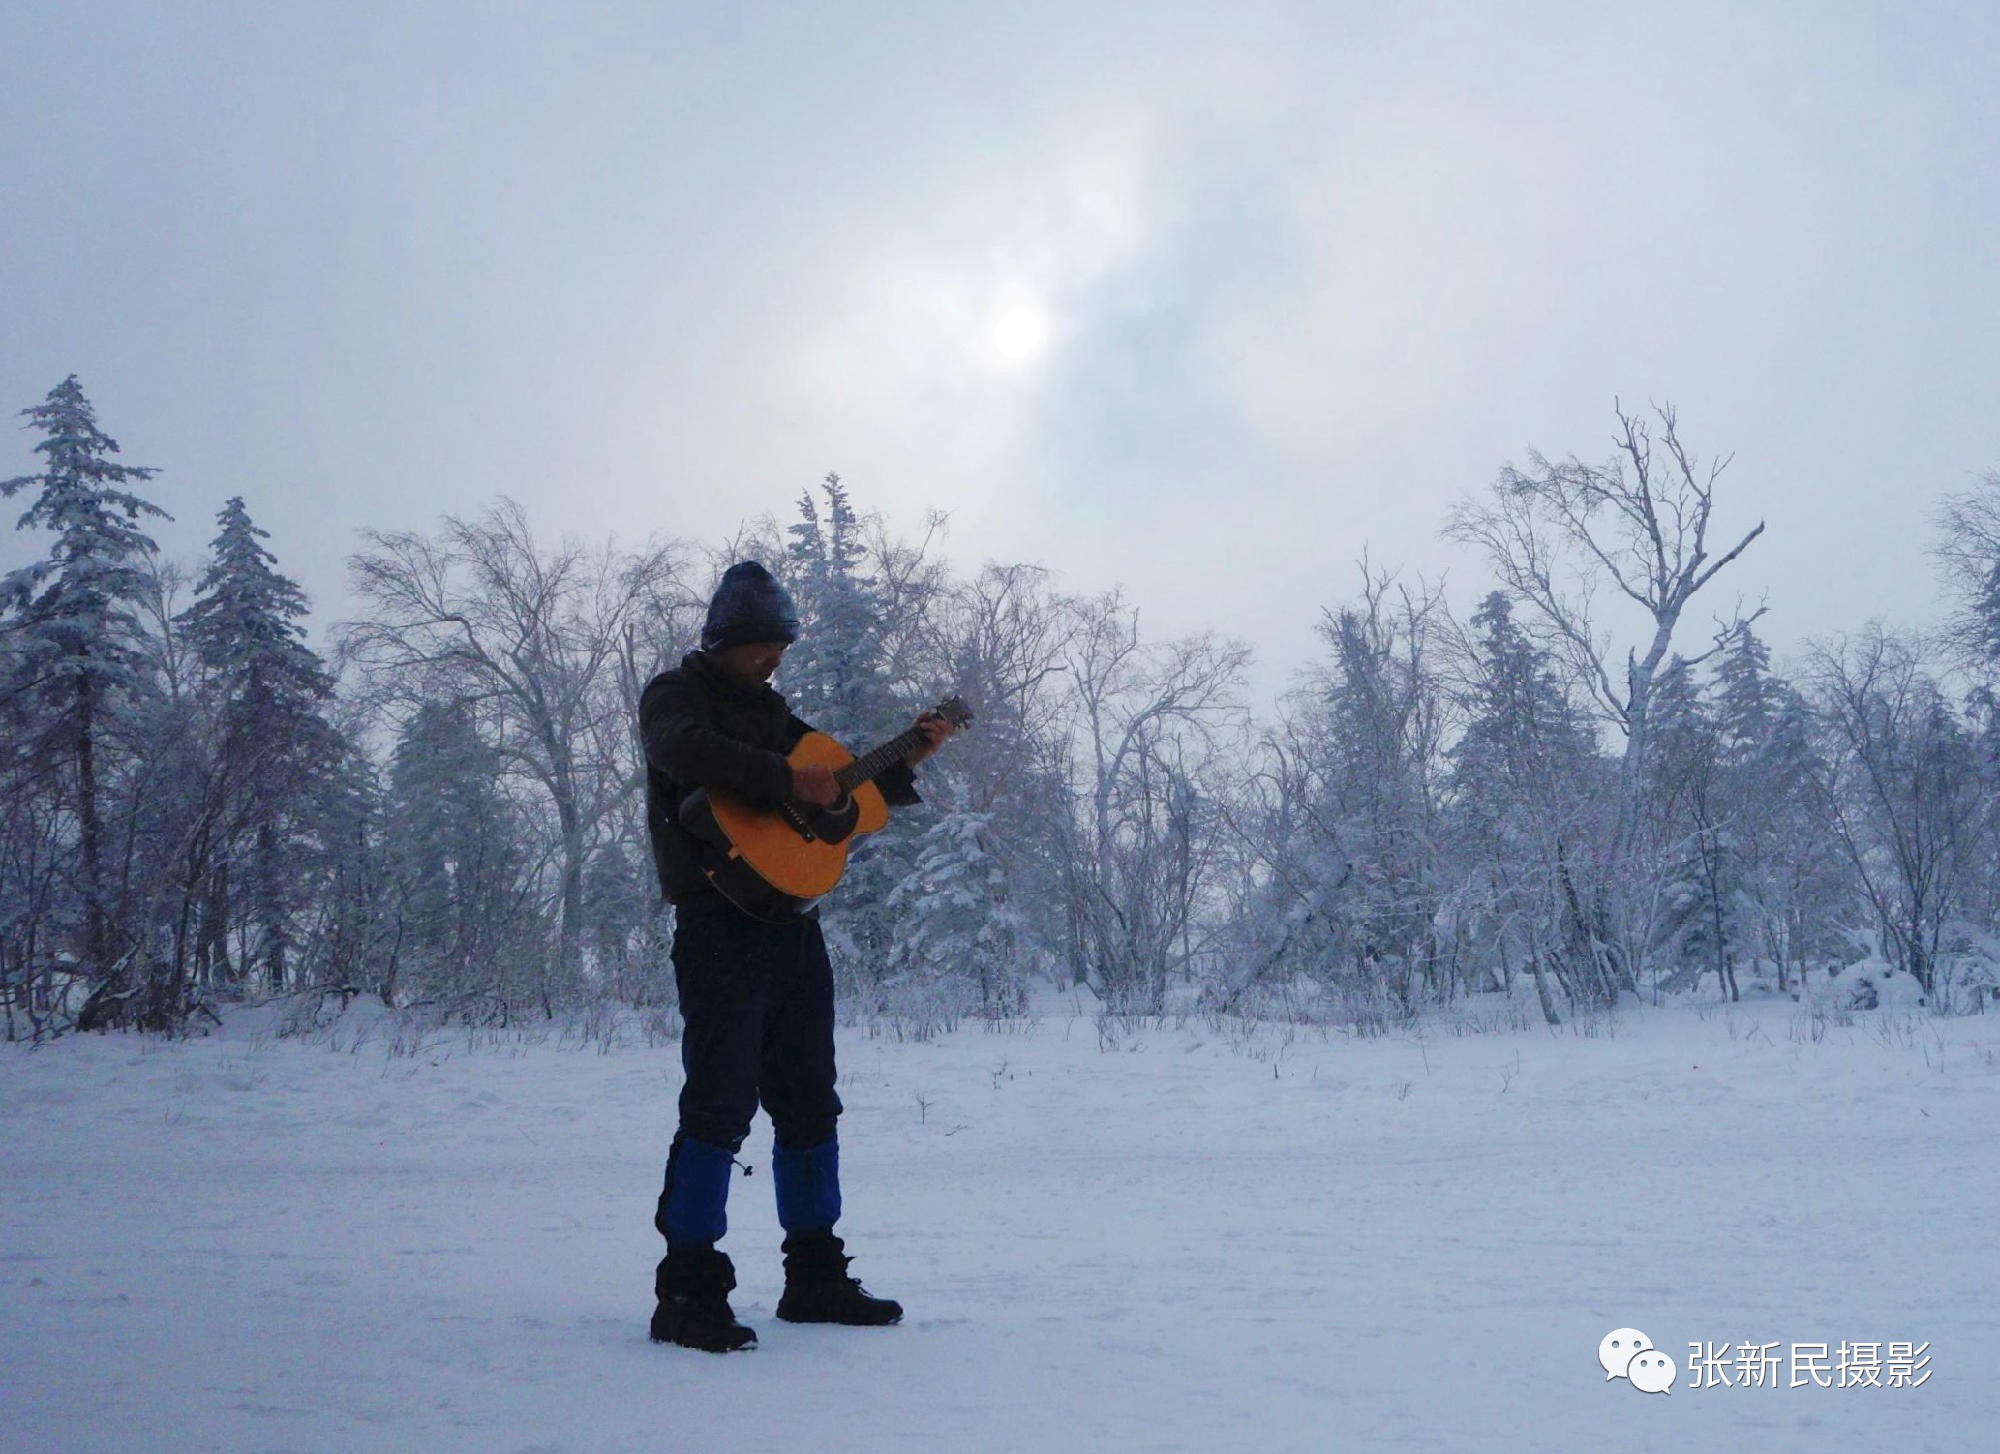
693,1288
818,1289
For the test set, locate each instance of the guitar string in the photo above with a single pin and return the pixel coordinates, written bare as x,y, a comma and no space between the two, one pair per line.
849,778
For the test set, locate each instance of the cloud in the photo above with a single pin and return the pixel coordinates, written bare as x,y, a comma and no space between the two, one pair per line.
1310,273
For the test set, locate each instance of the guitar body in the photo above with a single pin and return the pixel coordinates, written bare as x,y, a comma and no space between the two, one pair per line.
776,865
793,857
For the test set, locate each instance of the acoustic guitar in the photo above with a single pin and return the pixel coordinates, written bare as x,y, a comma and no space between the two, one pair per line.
776,864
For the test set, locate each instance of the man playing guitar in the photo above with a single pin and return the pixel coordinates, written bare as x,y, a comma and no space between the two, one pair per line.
756,994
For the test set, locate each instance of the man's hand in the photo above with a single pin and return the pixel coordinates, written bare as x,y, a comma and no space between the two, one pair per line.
813,783
935,730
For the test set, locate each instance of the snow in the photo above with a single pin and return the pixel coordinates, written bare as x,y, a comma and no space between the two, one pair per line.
1867,984
1161,1239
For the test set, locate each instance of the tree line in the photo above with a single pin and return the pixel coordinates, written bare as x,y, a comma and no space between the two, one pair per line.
197,807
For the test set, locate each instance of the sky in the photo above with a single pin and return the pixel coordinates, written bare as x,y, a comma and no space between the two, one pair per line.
1202,302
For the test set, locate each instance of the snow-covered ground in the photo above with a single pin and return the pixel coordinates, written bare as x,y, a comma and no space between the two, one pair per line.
1170,1241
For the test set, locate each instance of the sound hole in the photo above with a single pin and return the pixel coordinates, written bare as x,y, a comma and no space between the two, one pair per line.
836,824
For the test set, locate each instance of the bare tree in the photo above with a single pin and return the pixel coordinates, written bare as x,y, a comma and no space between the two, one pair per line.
1562,534
998,640
1340,825
1903,790
1150,731
535,642
1969,552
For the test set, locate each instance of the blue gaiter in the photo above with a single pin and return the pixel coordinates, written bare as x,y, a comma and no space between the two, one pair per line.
691,1212
808,1186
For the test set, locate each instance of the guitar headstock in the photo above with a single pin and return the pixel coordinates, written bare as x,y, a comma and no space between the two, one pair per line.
954,711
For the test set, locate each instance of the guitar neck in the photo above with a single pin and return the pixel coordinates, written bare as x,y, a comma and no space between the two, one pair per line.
866,769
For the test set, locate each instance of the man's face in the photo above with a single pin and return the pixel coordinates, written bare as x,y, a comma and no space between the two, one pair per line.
754,661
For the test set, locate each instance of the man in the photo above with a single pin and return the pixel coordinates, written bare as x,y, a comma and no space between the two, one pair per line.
756,997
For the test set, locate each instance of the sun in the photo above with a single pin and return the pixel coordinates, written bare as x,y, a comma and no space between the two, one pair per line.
1018,330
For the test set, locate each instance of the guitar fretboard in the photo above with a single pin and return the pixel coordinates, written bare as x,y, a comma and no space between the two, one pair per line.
864,769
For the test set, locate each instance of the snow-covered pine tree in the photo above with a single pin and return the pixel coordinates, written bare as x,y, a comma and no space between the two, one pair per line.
1701,923
73,665
268,690
833,677
462,895
1807,894
997,641
1790,873
348,946
1342,881
1746,695
1375,711
1528,789
959,939
621,910
833,673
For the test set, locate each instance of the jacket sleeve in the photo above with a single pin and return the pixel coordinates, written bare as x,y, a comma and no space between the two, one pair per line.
681,743
898,782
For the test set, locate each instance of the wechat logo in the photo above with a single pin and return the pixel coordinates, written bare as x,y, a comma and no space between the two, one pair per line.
1629,1354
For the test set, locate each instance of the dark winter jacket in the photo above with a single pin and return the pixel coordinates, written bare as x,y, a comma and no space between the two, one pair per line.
704,729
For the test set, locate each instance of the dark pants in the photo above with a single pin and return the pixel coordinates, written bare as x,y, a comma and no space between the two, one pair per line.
757,1002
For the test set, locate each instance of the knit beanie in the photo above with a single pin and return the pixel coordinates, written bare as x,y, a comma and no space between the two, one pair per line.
749,606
